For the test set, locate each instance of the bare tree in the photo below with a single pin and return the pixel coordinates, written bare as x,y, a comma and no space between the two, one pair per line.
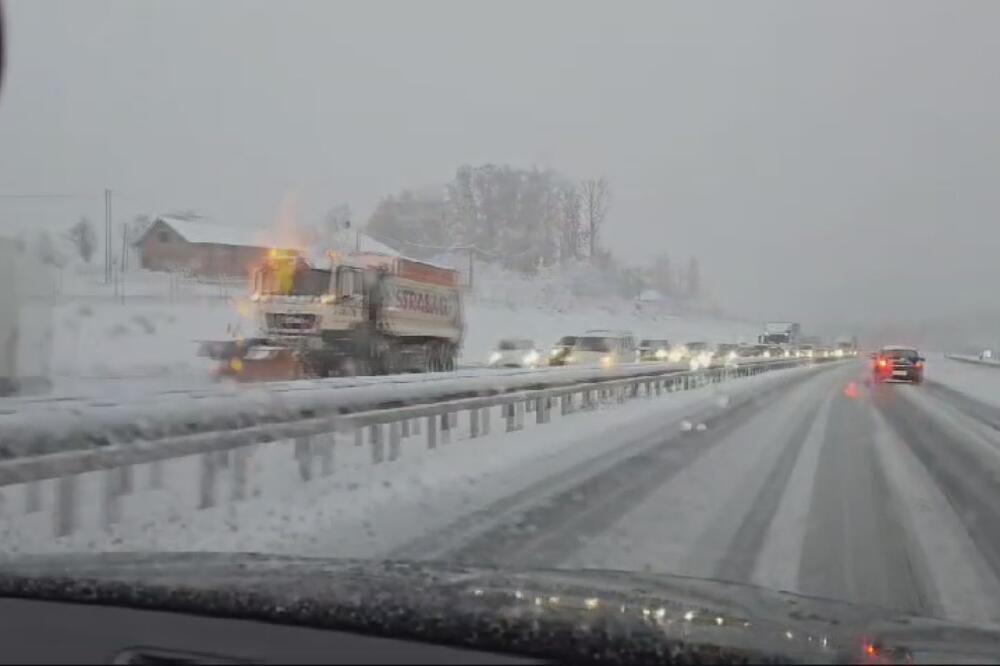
570,221
84,238
596,195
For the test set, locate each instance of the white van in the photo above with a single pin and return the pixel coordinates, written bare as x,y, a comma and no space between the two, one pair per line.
605,348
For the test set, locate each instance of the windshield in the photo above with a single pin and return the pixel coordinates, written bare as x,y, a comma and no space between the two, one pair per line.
263,266
294,282
510,345
593,344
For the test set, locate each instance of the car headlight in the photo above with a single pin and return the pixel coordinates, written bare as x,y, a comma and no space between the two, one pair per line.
554,352
766,354
694,364
494,357
787,353
570,358
531,358
731,355
607,361
661,354
839,353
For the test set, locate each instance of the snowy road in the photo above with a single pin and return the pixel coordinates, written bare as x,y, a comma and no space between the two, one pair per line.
810,480
821,484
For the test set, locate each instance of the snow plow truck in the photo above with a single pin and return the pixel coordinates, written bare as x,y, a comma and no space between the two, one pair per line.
366,314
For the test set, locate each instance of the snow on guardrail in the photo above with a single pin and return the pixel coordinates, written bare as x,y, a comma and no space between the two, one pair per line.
39,427
98,487
966,358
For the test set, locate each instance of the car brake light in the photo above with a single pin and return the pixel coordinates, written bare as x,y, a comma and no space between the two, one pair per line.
881,362
919,364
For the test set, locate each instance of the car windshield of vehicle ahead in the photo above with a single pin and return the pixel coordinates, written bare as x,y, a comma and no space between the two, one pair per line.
283,280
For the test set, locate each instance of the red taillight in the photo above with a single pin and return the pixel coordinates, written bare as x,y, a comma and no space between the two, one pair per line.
918,364
882,363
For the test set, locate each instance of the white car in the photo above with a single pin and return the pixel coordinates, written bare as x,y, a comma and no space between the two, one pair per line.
515,353
606,350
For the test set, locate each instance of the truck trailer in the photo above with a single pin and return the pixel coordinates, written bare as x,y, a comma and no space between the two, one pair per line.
365,314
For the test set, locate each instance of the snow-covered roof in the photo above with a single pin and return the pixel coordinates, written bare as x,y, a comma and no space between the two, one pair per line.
202,231
351,240
898,348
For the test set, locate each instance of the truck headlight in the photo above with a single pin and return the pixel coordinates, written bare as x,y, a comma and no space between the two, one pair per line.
607,361
494,357
661,354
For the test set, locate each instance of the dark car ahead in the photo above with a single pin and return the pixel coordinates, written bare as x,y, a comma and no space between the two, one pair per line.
561,349
899,363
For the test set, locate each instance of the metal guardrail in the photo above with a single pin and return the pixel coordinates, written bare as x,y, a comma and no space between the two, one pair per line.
975,360
212,453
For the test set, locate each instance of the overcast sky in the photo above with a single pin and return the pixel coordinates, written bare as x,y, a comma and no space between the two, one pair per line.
826,161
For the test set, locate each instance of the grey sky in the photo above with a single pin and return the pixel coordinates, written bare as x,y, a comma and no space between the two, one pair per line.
825,161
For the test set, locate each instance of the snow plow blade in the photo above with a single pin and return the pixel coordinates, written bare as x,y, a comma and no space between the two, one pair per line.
263,364
252,360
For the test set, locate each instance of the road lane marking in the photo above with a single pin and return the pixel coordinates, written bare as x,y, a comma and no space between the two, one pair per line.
778,562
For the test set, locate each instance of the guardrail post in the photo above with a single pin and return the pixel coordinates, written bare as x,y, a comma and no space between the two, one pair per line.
240,459
486,420
432,433
405,428
206,498
156,475
415,426
539,410
65,513
375,436
660,385
303,455
474,423
508,413
394,437
33,497
519,414
446,428
359,437
110,487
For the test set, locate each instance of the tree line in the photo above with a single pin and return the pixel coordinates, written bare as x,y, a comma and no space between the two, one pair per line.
524,220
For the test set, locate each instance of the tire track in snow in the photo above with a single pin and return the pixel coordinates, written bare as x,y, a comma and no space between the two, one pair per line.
855,546
559,516
962,466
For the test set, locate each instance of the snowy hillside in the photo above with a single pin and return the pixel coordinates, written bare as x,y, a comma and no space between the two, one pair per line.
153,332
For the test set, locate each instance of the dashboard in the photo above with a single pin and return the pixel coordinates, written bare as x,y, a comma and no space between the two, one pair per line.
56,632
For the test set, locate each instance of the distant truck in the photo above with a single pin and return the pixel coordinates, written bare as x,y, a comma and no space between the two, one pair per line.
846,346
26,289
367,314
782,333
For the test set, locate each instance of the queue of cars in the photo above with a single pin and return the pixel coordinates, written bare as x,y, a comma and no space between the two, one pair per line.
608,347
613,347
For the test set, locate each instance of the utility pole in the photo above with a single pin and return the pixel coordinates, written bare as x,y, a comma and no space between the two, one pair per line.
471,269
107,236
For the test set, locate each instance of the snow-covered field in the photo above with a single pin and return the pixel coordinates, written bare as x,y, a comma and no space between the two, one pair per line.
150,337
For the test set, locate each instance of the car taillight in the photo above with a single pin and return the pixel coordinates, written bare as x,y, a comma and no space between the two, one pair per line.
882,363
918,364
